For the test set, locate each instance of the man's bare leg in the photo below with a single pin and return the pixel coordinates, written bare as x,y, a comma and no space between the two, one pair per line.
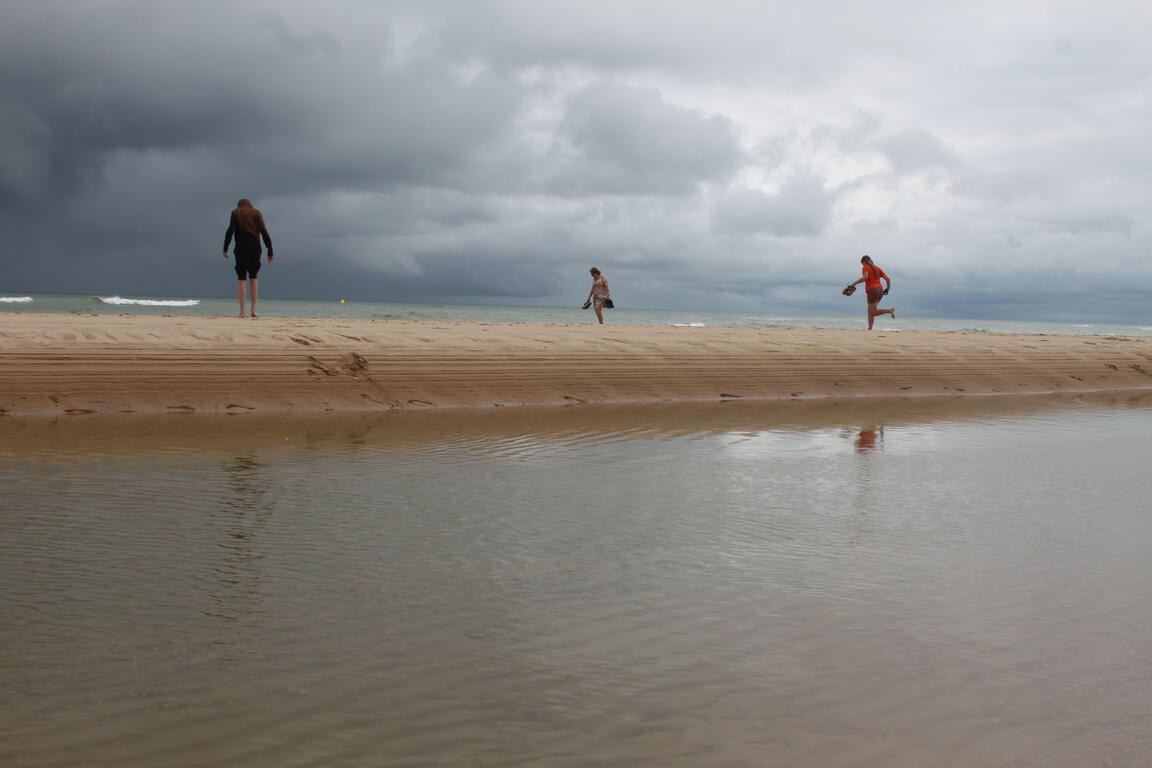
253,292
241,289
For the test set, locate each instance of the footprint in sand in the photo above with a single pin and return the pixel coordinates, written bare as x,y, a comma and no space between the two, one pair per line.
317,368
299,340
354,363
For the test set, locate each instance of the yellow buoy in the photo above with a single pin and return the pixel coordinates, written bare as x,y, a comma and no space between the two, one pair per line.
341,301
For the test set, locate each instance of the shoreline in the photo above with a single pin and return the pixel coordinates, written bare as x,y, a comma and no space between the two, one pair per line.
52,365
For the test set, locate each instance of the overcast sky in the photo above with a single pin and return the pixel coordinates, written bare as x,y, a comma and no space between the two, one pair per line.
995,158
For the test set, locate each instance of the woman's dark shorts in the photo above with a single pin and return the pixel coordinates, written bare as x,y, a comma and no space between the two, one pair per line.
874,294
247,265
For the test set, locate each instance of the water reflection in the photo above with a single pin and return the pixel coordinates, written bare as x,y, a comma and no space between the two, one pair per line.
869,439
242,512
582,586
467,432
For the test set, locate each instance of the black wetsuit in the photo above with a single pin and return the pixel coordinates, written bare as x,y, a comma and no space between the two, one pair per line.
247,251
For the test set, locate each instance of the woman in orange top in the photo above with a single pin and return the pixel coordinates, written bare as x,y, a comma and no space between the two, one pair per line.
871,279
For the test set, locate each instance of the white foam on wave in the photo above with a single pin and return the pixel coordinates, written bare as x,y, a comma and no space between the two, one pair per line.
15,299
689,325
149,302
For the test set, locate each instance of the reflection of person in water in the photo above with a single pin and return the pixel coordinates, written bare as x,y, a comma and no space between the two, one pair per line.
868,439
242,513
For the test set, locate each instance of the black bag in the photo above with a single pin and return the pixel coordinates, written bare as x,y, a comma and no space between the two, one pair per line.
608,304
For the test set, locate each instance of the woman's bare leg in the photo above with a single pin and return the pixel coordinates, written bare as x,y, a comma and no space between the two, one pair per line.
241,289
253,291
874,311
599,307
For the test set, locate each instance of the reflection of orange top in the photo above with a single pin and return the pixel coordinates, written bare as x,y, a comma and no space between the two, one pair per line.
866,441
872,275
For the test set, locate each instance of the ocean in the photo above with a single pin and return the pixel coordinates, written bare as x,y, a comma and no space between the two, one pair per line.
901,582
169,305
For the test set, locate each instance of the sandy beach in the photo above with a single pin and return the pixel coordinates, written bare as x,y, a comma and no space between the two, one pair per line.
66,364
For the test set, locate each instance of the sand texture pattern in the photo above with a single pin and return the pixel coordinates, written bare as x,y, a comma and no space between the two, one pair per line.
66,364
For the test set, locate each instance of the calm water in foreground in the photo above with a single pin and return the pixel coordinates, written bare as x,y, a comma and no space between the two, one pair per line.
908,583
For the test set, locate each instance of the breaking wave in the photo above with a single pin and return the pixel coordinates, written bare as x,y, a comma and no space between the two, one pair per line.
149,302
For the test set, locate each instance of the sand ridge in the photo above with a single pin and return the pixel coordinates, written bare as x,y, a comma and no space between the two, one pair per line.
68,364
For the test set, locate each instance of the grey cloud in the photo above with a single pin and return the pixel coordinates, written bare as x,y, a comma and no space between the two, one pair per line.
630,140
801,208
915,150
792,46
279,116
492,150
300,43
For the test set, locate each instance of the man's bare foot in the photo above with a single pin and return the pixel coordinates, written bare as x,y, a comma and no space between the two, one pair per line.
254,315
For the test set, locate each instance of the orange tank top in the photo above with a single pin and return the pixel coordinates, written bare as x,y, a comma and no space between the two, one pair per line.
872,275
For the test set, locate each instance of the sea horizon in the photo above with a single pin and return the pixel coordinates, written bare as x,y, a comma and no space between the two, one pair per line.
192,306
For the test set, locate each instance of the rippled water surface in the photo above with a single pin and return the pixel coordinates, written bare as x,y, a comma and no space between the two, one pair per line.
906,583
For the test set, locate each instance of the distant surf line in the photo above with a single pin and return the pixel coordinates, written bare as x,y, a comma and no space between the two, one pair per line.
148,302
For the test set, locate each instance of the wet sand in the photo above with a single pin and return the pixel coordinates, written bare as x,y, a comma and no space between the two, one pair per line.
76,365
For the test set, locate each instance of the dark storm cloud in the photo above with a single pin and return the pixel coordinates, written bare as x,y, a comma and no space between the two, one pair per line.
731,155
132,139
628,140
